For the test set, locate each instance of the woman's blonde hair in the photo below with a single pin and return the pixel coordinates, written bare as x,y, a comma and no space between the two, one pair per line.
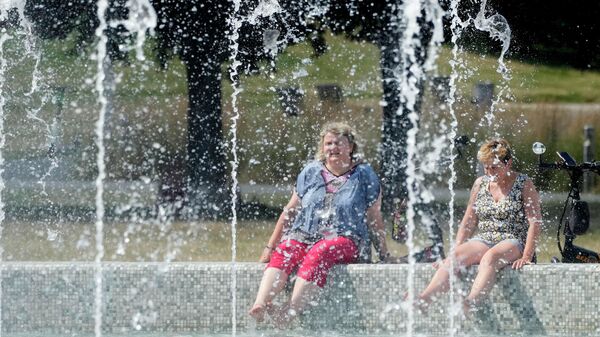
495,149
339,129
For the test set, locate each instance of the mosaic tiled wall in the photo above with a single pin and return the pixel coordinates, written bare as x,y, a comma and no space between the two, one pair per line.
556,300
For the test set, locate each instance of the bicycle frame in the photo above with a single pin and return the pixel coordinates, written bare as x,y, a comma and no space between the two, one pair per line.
578,211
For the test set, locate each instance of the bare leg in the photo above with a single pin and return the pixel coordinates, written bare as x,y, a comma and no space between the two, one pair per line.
465,255
271,284
498,257
304,292
315,267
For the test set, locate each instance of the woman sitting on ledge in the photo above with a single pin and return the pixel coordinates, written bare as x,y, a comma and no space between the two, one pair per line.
328,221
505,207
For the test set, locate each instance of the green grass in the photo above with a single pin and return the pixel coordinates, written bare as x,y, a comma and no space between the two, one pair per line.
186,242
356,66
152,240
530,83
140,242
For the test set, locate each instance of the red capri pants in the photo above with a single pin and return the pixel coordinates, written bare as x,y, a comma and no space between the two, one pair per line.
316,260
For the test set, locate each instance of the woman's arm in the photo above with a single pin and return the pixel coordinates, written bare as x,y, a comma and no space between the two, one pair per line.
284,221
469,221
377,228
533,213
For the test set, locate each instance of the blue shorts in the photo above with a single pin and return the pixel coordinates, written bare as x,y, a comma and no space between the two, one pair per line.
490,244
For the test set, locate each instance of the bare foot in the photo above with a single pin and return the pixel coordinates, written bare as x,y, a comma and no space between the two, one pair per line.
469,308
282,316
284,320
420,304
258,312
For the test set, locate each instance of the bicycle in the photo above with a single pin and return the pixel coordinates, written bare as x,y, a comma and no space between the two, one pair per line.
577,221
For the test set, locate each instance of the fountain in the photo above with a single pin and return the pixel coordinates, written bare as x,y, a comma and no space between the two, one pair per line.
114,179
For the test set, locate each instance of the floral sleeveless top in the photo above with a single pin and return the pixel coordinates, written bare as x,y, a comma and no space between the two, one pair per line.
504,219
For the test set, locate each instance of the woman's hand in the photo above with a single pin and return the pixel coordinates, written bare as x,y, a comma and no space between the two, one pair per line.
520,263
388,259
285,219
266,255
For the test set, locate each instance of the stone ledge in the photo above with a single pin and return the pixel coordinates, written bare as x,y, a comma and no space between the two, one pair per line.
547,299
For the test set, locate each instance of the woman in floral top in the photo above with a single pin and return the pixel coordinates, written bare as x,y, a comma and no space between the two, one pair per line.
505,208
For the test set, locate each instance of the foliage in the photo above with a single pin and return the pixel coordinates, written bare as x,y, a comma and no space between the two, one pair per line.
151,102
544,31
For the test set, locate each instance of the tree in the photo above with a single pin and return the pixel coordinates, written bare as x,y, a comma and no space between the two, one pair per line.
197,31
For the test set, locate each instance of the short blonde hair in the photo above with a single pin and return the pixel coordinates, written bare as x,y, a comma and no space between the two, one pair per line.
339,129
495,149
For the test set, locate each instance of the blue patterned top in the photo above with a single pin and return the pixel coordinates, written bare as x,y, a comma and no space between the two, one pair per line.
343,212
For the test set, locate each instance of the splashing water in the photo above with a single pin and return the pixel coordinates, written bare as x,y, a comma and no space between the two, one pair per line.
101,59
433,143
142,18
410,76
434,14
498,29
265,8
29,43
52,130
3,38
236,24
141,10
457,26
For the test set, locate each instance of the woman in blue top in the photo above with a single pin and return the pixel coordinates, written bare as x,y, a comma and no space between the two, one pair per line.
330,219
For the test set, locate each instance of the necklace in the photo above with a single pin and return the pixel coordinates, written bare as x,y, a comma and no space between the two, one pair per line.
337,182
339,175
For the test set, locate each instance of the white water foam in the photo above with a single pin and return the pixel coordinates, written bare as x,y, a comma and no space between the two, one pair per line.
498,29
457,26
101,58
409,78
235,23
3,38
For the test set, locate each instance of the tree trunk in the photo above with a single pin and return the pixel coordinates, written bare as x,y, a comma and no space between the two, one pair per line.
395,120
206,183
